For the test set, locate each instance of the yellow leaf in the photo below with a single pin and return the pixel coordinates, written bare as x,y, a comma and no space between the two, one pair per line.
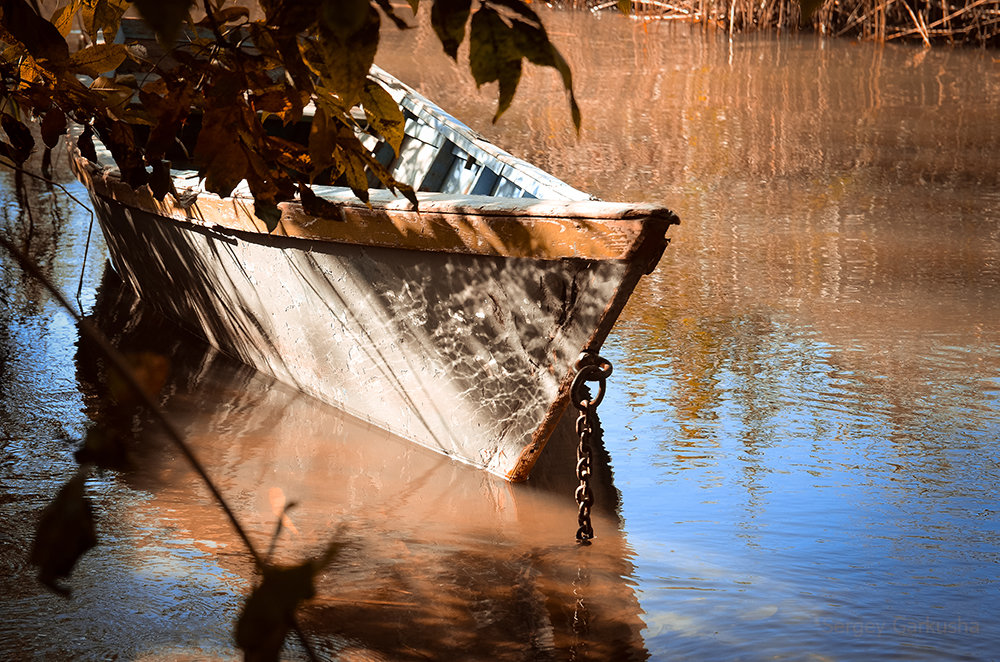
383,114
98,59
63,17
31,72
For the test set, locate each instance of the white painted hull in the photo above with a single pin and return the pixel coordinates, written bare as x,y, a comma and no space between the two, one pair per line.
465,354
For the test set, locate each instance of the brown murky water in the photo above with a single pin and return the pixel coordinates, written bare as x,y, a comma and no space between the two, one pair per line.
803,423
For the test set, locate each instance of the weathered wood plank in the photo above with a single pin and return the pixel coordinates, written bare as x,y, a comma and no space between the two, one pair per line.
476,225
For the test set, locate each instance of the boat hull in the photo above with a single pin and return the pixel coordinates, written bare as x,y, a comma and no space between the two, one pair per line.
470,355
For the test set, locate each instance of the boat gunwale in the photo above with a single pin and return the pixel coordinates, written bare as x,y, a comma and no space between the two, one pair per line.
447,223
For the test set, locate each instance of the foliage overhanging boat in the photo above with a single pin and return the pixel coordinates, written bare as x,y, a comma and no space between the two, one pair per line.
455,324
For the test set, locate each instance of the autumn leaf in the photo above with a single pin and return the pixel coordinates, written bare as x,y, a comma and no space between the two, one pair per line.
383,114
107,17
288,18
160,182
314,205
494,56
41,38
290,155
119,138
21,142
343,18
98,59
53,126
353,168
407,192
32,73
267,212
170,111
350,158
347,56
65,533
448,18
85,143
277,99
383,175
102,17
219,152
267,184
228,164
113,94
62,19
263,40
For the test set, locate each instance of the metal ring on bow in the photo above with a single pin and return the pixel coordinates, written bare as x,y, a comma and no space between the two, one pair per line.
590,368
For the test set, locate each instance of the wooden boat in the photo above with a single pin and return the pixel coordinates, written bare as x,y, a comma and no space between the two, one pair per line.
455,326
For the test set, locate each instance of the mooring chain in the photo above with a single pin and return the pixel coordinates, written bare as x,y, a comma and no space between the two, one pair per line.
589,368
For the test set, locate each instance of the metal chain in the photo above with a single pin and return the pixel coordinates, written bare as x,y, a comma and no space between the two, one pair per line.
590,367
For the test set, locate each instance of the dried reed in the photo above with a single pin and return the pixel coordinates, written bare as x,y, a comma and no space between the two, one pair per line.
975,22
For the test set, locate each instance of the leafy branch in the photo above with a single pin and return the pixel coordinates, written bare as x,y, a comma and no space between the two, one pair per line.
241,88
66,529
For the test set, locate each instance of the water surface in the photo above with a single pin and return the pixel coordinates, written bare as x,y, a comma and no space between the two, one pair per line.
803,423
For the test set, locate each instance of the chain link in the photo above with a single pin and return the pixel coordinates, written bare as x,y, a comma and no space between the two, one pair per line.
590,368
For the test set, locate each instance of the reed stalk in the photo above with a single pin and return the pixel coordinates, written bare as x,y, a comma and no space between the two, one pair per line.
972,22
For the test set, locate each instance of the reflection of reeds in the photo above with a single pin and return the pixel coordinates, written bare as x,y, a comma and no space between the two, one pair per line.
955,21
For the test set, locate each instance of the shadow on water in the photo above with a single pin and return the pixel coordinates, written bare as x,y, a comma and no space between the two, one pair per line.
441,561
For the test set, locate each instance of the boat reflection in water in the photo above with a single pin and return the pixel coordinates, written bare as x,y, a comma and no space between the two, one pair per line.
441,560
